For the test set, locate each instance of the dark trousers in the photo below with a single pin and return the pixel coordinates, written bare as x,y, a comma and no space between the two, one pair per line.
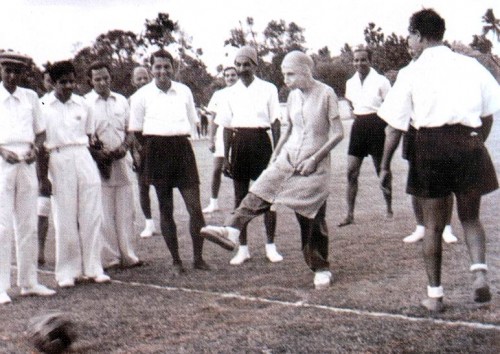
191,197
314,232
240,192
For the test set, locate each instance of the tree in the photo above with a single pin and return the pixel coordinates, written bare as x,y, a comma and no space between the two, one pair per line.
491,24
159,31
389,53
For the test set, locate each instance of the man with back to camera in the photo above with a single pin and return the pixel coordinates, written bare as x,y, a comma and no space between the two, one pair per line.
163,116
251,108
111,114
365,91
450,157
76,186
22,132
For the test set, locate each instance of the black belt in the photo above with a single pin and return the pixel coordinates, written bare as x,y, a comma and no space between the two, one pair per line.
249,130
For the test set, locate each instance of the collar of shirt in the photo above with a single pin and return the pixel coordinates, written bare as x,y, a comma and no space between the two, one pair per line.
4,94
51,99
94,96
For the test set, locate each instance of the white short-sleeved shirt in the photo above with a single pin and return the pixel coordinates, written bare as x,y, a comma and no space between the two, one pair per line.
441,87
216,104
111,118
255,106
68,123
367,96
171,113
20,116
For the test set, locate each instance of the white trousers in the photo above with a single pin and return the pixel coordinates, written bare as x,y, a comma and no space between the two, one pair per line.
77,211
18,195
118,225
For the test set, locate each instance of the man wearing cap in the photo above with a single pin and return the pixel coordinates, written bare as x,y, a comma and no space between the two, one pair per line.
449,155
111,114
217,137
251,108
76,186
163,117
22,132
365,91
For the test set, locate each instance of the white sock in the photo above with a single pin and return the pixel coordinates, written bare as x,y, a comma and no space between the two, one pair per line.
233,235
214,202
435,292
448,229
420,229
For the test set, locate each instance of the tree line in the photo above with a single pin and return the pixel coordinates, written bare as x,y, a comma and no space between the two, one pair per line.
124,50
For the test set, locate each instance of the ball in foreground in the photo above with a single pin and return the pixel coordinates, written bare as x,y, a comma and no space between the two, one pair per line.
52,333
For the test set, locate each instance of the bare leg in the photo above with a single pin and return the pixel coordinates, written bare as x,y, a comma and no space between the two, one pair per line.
43,227
353,168
216,176
386,191
434,220
240,191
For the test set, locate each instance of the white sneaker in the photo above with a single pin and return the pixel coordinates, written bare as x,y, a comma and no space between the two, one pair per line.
4,298
212,206
149,230
102,278
224,236
272,254
322,279
66,283
37,290
242,255
448,236
417,235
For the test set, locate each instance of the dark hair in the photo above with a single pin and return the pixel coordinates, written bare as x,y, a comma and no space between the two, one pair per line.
368,51
162,53
60,68
96,65
428,23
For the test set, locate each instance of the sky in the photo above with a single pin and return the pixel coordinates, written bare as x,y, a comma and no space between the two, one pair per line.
51,30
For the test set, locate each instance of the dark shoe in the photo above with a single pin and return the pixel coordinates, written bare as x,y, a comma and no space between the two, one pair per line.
201,265
347,221
112,266
218,235
481,290
139,263
178,269
433,304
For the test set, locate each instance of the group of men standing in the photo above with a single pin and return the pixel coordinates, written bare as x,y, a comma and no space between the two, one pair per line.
82,144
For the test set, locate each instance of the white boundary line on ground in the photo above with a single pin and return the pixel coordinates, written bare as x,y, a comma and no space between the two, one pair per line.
473,325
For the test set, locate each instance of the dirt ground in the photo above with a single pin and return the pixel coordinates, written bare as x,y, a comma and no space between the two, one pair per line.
259,307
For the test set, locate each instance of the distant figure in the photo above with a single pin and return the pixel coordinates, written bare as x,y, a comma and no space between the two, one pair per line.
141,77
452,124
76,186
45,188
300,171
163,117
203,124
217,137
250,109
111,115
22,132
366,91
